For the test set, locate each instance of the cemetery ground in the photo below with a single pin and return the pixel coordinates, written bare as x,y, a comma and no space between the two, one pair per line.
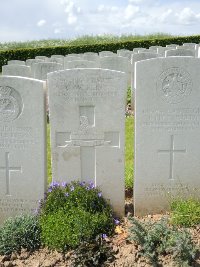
171,239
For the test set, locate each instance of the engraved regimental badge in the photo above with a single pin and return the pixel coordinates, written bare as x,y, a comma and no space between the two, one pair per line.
174,85
10,104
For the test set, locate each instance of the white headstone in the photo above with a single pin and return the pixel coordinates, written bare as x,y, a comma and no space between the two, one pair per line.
30,62
22,143
172,46
115,63
16,62
16,70
162,50
180,53
41,69
167,147
135,58
81,64
107,54
58,56
56,60
41,57
87,137
137,49
91,56
125,53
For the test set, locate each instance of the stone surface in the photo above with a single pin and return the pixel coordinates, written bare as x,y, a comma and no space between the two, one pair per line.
87,137
91,56
167,148
16,70
81,64
115,63
31,61
107,54
16,62
22,143
58,60
41,69
180,53
125,53
162,50
135,58
41,57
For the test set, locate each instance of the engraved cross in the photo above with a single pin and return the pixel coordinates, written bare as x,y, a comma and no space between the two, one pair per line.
8,170
171,152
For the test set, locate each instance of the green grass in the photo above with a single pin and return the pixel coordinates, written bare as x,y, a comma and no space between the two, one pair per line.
81,40
185,212
128,154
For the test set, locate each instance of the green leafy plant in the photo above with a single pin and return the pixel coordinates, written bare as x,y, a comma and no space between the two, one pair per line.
21,232
74,213
156,239
185,212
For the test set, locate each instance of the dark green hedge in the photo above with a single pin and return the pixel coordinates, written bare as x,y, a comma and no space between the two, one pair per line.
23,54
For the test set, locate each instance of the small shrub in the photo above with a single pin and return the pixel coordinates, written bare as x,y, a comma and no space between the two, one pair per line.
158,239
185,212
74,213
21,232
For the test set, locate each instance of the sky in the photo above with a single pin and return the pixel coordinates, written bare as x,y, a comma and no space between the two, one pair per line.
23,20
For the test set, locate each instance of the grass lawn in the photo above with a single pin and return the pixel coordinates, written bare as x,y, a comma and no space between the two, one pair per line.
128,153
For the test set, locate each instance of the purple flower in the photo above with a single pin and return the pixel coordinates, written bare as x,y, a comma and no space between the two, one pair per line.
116,222
82,183
66,194
54,184
91,185
104,236
64,184
99,194
49,189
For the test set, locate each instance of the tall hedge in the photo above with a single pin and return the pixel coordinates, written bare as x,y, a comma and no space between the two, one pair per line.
23,54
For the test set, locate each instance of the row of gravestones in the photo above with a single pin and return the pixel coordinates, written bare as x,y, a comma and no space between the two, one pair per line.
87,134
39,67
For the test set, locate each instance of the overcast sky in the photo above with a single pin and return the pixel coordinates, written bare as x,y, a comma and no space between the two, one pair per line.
23,20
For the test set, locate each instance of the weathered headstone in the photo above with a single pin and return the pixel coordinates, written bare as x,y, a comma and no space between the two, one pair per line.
56,60
87,137
41,69
16,70
172,46
180,53
91,56
162,50
81,64
107,54
167,148
41,57
22,143
16,62
137,49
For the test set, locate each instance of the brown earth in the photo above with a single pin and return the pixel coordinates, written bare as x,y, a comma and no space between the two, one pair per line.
126,252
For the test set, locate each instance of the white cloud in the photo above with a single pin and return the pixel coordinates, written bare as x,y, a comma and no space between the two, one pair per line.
187,16
41,22
72,11
135,1
166,16
131,11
